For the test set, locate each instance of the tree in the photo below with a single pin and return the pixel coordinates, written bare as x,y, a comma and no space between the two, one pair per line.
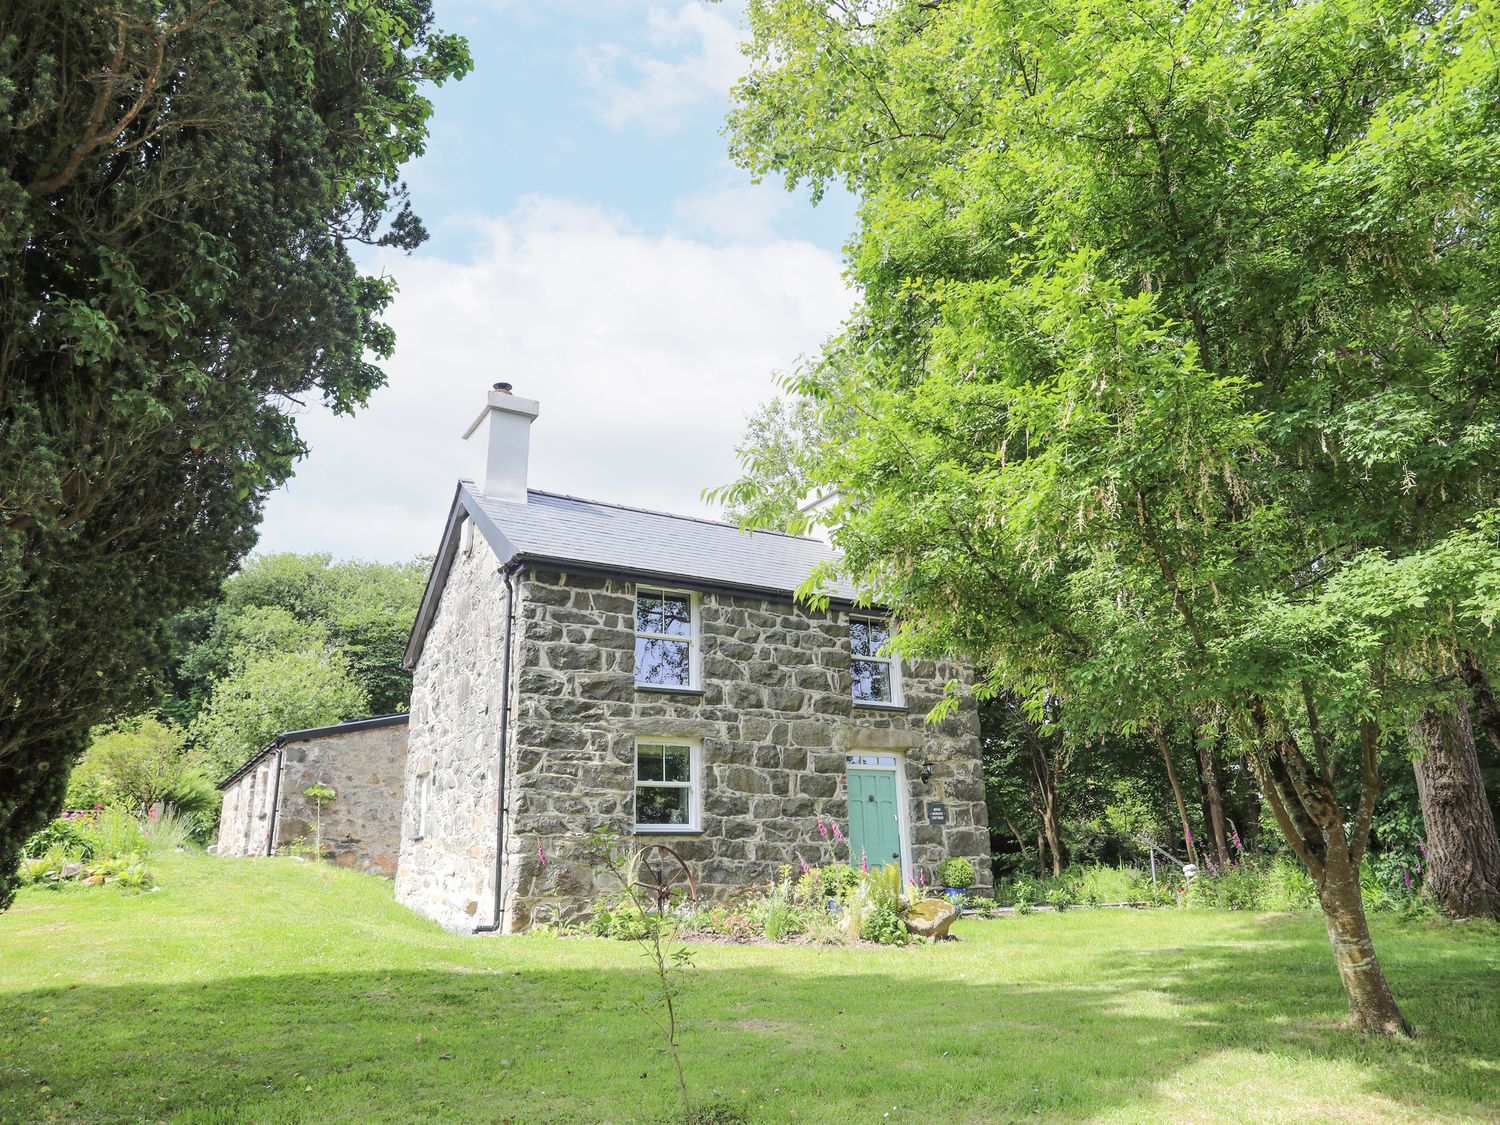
273,694
288,602
1463,863
1175,369
136,764
180,183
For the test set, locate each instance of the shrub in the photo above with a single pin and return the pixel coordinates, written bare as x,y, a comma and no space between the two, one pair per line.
837,880
883,926
984,907
112,832
1098,885
168,831
956,872
621,919
63,834
1060,896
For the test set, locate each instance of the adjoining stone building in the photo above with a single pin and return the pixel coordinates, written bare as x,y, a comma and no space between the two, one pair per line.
363,762
580,664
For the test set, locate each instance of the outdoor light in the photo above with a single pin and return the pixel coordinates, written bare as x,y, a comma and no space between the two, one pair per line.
926,772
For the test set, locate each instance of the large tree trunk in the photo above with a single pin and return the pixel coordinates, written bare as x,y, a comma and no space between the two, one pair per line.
1187,832
1210,770
1463,851
1372,1008
1300,793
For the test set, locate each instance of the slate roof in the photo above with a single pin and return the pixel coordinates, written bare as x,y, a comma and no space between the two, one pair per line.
639,541
615,539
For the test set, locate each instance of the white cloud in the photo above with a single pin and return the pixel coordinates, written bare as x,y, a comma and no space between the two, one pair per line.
746,213
691,56
646,352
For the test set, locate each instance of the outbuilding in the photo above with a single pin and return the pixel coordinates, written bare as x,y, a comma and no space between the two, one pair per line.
266,807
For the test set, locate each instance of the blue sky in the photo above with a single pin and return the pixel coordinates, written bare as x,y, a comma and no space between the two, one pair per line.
592,244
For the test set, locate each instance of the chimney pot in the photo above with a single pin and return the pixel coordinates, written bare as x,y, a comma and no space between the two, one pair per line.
503,388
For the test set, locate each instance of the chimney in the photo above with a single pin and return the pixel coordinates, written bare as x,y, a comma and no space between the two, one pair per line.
506,443
817,508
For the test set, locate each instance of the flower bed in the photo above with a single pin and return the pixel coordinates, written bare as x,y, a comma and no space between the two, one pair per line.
833,905
89,847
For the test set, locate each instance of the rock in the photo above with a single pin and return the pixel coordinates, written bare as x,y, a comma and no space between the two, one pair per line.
930,918
71,870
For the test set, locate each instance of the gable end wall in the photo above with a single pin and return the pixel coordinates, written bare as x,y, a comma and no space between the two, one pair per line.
448,871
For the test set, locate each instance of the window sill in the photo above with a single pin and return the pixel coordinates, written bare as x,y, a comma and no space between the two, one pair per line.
874,705
668,689
667,830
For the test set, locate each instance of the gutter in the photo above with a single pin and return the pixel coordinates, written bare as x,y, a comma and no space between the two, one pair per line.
509,571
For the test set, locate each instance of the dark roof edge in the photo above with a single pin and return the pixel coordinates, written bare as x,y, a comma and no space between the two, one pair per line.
344,728
255,760
310,733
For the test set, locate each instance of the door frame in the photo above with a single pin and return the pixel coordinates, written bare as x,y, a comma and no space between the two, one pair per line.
903,799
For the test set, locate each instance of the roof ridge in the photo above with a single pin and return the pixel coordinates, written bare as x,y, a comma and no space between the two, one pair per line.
672,515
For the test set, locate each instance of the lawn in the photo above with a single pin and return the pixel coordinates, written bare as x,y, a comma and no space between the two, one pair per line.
277,991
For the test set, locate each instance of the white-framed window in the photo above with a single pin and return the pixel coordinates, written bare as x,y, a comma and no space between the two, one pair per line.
666,638
668,785
875,672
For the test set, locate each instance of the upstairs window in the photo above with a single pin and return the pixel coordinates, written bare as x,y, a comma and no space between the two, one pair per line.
664,637
666,786
876,679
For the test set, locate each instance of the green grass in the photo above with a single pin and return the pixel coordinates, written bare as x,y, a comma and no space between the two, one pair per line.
276,991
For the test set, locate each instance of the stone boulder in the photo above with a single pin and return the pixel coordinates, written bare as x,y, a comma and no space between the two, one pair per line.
930,918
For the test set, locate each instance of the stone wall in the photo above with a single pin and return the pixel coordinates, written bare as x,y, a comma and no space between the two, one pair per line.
245,815
447,864
775,721
362,824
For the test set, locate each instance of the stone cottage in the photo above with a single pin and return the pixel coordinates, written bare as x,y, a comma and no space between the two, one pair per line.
363,762
579,664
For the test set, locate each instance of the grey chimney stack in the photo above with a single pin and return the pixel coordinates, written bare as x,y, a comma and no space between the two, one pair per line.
506,421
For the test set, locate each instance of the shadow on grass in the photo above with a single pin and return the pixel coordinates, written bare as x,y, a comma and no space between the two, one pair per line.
551,1043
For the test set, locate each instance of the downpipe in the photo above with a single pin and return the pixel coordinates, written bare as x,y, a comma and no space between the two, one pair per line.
508,671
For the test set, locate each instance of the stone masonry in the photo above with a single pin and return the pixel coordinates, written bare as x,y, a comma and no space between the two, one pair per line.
361,825
774,719
447,867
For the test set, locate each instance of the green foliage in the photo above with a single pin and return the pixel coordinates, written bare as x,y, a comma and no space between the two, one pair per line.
288,603
1060,896
956,872
883,925
1171,391
837,879
93,848
621,918
168,830
181,185
273,694
136,764
63,835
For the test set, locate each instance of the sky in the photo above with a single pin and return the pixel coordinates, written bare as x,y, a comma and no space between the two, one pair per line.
592,245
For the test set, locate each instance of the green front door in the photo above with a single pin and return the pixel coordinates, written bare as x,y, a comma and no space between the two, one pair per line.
874,817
